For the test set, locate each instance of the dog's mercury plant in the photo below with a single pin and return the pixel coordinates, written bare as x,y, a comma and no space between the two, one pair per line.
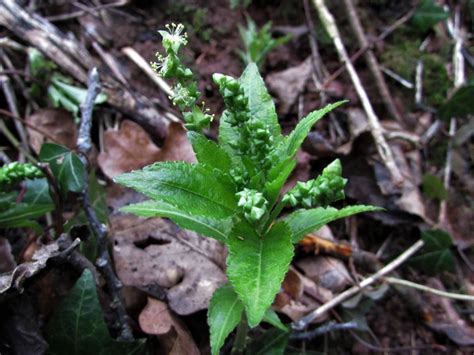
233,193
16,172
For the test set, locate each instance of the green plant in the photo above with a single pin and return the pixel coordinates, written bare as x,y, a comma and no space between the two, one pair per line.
257,44
61,92
239,3
233,193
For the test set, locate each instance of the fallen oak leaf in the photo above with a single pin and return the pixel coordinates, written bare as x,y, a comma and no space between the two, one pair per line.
131,148
58,123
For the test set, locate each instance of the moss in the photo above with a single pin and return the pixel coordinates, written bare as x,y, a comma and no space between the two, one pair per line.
401,56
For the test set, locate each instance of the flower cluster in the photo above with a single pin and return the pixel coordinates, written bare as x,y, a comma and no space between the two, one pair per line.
322,191
255,138
16,172
185,92
253,204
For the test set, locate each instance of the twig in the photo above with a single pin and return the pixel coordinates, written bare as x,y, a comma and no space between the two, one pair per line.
14,141
372,61
303,322
104,262
79,13
443,208
434,291
12,105
136,58
324,329
375,127
419,82
397,78
362,50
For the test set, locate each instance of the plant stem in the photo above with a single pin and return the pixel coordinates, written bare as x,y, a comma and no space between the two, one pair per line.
434,291
240,341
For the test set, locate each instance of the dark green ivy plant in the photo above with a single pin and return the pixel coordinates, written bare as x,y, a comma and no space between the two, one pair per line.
234,193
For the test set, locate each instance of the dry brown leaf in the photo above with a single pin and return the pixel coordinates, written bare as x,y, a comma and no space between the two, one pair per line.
155,252
131,148
58,123
289,84
299,295
175,339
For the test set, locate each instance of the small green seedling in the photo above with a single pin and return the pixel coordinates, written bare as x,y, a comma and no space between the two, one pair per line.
257,44
233,193
61,92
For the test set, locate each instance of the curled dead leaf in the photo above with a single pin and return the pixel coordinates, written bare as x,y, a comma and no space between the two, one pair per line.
155,252
7,261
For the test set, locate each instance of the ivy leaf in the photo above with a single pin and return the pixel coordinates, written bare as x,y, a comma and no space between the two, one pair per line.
209,153
293,142
257,265
427,15
224,314
194,188
272,342
78,327
302,222
217,229
433,187
19,214
261,104
65,165
436,254
460,104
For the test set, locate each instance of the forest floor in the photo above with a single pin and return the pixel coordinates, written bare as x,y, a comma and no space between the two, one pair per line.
427,128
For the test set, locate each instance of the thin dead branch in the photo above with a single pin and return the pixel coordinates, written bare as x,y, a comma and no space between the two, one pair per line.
303,322
374,124
372,61
104,262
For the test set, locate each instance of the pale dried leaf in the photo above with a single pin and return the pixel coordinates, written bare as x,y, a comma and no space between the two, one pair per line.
288,84
131,148
58,123
156,252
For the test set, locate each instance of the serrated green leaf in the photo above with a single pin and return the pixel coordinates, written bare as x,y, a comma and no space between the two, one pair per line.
272,342
209,153
428,14
293,142
302,222
277,178
460,104
272,318
224,314
78,327
194,188
257,265
436,254
217,229
261,104
433,187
